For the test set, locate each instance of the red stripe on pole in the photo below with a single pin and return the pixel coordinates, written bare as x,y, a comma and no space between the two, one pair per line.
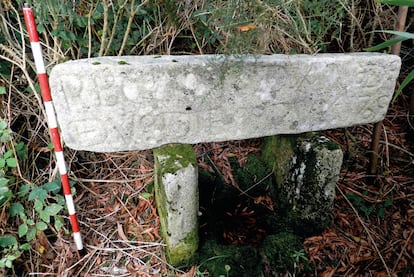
54,133
44,87
74,222
30,23
65,184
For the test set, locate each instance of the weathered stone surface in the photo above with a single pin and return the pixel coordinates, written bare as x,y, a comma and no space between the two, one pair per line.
176,191
141,102
308,191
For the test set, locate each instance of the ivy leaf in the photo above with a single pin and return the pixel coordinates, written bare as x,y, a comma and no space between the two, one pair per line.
7,240
23,190
146,195
59,223
38,205
8,154
5,194
31,234
53,187
11,162
26,246
41,226
16,208
44,216
53,209
38,193
3,181
23,228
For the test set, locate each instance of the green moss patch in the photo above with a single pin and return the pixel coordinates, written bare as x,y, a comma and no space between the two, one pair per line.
228,260
173,157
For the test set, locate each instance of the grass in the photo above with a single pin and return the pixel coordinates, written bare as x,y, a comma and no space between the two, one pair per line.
114,192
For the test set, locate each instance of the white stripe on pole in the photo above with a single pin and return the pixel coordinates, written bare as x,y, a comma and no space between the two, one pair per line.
70,204
50,114
38,57
60,159
78,240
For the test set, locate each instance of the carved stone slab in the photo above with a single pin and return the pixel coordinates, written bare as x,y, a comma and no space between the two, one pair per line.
140,102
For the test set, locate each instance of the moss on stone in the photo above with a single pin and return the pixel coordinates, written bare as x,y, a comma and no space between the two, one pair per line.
277,152
182,254
172,157
252,172
279,250
241,261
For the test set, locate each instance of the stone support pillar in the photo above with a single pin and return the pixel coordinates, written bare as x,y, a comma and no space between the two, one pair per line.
306,170
176,192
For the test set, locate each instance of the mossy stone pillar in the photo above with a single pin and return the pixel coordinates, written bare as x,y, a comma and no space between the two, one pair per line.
306,169
176,192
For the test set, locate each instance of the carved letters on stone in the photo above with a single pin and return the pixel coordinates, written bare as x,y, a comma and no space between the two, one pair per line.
141,102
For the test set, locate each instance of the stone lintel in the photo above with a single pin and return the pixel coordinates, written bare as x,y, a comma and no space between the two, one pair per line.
141,102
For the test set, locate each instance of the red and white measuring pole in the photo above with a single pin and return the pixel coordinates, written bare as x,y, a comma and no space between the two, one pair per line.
51,120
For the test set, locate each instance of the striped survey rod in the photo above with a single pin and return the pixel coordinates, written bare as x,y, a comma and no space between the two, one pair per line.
51,120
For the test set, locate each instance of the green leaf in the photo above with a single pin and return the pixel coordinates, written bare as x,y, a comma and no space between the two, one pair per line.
5,195
3,181
53,209
21,150
41,226
59,223
11,162
23,217
2,163
409,3
406,35
60,200
22,231
146,195
38,193
40,28
388,202
9,263
23,190
3,125
31,234
7,240
5,135
2,90
53,187
44,216
404,83
8,154
38,205
385,44
25,246
16,209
